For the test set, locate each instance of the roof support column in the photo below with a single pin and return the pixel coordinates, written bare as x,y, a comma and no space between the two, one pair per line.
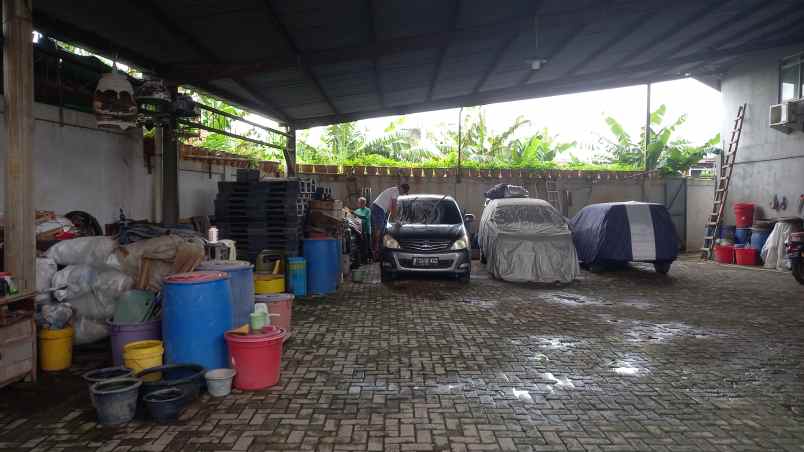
20,243
290,153
170,170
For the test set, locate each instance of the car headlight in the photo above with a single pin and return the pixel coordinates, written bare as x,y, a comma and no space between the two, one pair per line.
390,242
461,244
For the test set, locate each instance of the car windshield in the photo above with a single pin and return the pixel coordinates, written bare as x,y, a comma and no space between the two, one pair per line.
428,211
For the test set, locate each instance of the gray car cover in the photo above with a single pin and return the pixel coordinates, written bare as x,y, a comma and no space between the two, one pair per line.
527,240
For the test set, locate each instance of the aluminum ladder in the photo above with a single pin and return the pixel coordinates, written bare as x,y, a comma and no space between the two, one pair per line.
715,219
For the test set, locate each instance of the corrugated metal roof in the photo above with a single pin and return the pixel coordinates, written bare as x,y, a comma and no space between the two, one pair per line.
314,62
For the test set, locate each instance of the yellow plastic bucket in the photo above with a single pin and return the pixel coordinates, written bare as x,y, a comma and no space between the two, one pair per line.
265,283
56,348
141,355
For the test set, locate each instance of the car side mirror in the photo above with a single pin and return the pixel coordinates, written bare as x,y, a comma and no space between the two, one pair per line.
468,218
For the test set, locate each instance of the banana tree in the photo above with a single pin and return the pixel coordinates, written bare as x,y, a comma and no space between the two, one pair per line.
664,153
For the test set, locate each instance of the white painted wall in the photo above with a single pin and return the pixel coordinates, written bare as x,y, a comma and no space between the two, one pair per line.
80,167
769,162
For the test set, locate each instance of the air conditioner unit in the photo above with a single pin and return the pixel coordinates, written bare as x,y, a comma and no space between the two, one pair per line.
785,117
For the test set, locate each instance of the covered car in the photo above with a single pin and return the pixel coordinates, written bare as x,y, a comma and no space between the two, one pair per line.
527,240
621,232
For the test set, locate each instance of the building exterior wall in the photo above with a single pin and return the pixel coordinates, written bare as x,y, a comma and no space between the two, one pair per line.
768,162
80,167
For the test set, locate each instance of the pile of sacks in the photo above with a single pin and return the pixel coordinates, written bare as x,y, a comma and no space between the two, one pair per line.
97,271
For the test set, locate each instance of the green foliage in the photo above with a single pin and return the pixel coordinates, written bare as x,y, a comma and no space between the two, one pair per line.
663,153
219,142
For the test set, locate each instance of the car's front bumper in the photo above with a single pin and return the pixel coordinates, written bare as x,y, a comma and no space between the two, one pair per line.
456,262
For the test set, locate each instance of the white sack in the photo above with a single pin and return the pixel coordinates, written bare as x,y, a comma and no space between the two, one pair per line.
88,331
73,281
82,250
773,252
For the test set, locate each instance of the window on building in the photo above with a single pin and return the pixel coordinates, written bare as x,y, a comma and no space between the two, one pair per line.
790,78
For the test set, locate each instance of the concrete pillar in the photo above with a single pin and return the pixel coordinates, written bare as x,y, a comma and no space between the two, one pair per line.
20,238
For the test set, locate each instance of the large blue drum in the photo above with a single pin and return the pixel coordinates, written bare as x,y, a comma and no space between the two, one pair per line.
323,258
196,312
241,284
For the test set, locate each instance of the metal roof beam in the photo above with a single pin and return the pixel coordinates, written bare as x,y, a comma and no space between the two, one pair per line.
781,15
703,34
768,35
55,28
626,31
677,27
293,48
582,82
454,10
174,29
372,29
576,31
535,6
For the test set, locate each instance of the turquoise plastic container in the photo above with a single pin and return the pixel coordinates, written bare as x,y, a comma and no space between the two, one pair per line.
323,258
241,285
297,276
196,312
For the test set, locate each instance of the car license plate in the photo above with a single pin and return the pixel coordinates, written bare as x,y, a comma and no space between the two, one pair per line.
425,261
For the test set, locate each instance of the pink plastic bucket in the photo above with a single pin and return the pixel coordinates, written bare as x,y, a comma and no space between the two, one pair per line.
281,304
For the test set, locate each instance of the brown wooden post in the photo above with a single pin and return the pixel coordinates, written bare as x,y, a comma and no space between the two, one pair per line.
290,153
20,242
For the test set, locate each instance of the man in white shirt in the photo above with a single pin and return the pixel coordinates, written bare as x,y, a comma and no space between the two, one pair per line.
382,206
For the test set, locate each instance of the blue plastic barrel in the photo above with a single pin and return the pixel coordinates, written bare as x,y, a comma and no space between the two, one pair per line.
742,236
241,285
759,237
297,276
728,231
196,311
323,258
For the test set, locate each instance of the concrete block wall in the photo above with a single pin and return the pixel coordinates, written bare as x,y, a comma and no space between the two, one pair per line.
769,162
580,192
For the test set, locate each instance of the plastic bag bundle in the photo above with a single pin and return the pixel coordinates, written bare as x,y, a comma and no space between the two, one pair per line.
73,281
88,331
54,316
82,250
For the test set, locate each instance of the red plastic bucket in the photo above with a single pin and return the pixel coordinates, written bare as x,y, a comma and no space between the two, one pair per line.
744,214
745,256
724,254
256,357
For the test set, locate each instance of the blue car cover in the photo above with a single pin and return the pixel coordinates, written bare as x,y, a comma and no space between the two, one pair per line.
624,232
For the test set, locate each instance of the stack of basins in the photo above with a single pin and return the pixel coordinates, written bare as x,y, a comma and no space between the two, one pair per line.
260,215
744,254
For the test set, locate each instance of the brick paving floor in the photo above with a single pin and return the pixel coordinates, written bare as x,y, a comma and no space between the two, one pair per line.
708,358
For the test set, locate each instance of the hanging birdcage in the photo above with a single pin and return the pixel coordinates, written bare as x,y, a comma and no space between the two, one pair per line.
114,103
185,107
154,101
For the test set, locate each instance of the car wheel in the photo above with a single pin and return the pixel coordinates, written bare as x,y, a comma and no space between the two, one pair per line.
584,265
483,258
386,276
662,267
464,279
